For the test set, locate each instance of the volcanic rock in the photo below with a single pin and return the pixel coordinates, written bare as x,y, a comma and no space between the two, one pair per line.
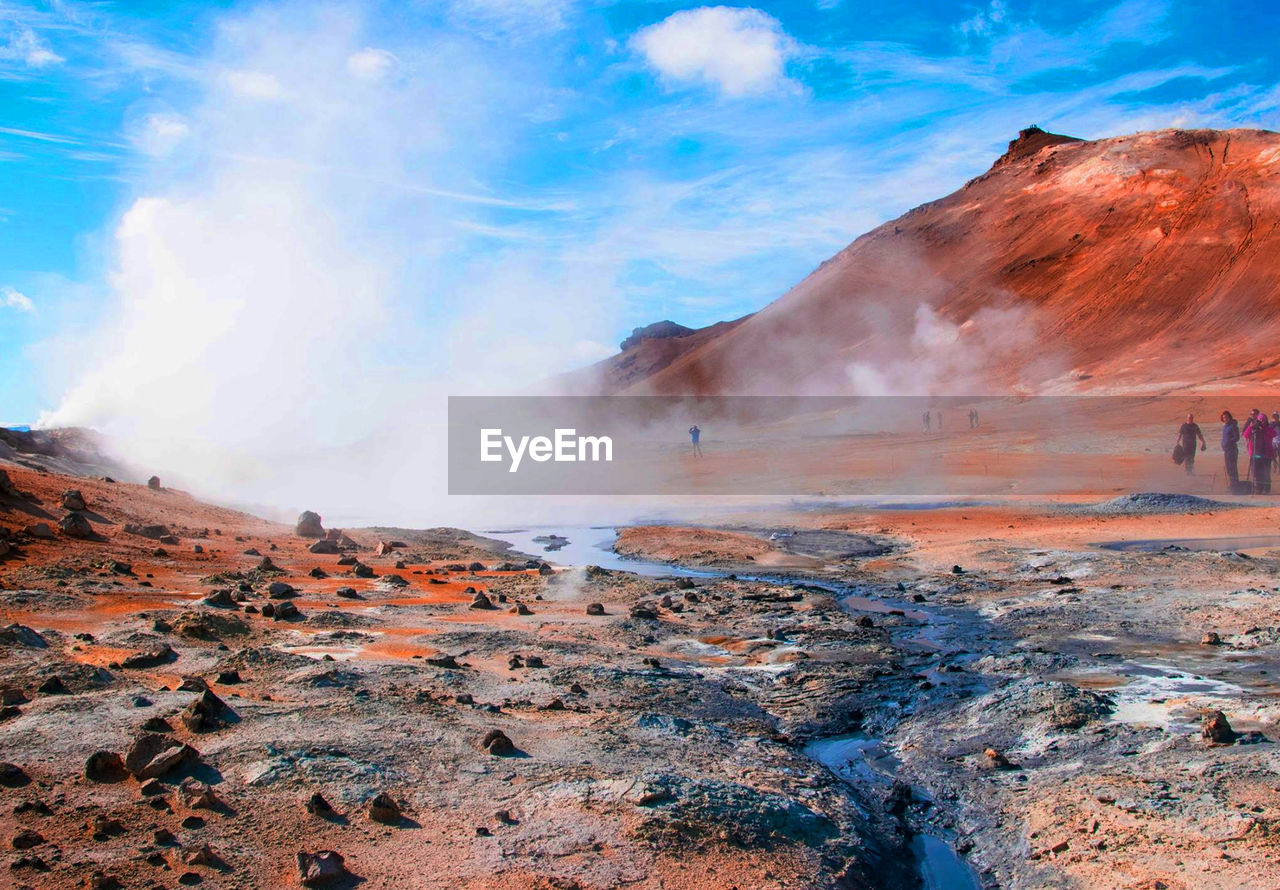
384,809
12,775
321,869
480,601
156,657
105,766
154,755
75,525
495,741
595,608
73,500
1217,729
279,590
41,530
309,525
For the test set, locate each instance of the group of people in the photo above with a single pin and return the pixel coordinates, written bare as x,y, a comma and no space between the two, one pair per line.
1261,436
928,420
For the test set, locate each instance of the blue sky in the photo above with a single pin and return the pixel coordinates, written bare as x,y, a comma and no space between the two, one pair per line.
205,201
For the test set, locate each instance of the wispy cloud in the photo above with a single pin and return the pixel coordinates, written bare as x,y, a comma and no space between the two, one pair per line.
23,45
15,299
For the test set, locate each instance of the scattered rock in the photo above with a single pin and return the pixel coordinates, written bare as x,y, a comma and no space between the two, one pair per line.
279,590
1217,729
154,755
595,608
317,806
156,657
73,500
309,525
997,761
324,547
105,766
53,686
154,483
384,809
1210,639
27,839
480,601
495,741
76,525
285,611
321,869
41,530
13,776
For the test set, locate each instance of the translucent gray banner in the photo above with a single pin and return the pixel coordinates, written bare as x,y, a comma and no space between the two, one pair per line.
839,446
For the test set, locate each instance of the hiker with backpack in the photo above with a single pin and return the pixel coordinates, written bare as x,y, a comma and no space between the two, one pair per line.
1231,448
1187,435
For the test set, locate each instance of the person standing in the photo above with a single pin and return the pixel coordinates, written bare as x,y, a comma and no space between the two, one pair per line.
1231,447
1257,436
695,435
1187,435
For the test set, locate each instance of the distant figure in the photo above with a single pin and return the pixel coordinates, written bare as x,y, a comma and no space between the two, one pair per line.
694,435
1275,438
927,424
1257,436
1187,435
1231,448
973,418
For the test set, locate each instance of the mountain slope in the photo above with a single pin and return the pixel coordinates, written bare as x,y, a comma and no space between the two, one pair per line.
1143,262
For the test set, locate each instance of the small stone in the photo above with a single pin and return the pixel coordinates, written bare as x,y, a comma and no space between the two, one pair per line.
26,839
1210,639
105,766
996,760
76,525
279,590
1217,729
321,869
521,609
41,530
480,601
73,500
154,483
865,621
384,809
495,741
318,806
285,611
595,608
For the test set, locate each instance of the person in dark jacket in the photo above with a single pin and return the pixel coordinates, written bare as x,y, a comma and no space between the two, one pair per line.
1257,435
1187,435
1231,446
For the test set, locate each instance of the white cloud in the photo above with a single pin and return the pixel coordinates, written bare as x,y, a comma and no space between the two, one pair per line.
25,46
159,133
739,51
15,299
254,85
371,63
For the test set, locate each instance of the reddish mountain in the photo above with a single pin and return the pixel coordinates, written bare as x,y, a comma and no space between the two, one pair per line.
1143,262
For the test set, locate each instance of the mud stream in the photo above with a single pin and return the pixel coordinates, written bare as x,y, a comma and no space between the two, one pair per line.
858,759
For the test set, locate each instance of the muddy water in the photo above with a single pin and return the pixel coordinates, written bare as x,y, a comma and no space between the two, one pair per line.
861,759
1220,545
855,759
586,546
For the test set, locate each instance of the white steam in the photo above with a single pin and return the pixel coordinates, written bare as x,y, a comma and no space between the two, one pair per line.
285,327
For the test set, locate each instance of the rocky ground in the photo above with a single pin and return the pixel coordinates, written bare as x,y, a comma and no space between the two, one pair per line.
192,695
